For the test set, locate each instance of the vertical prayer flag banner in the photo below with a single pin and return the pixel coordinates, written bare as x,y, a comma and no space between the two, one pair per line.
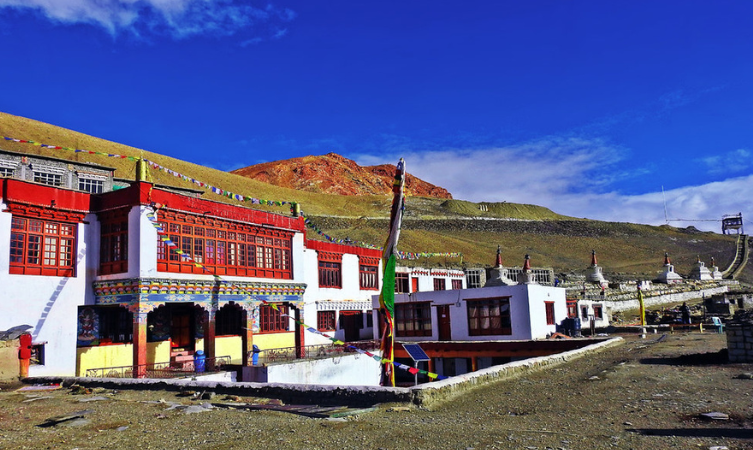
387,297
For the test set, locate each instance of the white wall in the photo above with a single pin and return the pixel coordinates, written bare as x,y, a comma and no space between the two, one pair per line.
350,370
48,304
527,310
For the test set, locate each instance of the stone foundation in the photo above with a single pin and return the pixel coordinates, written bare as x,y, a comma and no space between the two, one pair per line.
740,337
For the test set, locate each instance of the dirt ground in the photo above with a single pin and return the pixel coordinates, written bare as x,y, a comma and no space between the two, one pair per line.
642,394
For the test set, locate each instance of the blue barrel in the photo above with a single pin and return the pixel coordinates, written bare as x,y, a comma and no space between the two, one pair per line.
255,355
576,325
199,361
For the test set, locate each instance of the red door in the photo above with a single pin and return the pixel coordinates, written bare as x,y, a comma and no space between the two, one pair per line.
445,327
180,329
414,284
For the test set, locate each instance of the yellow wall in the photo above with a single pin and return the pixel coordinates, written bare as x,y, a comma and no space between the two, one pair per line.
117,356
229,346
274,340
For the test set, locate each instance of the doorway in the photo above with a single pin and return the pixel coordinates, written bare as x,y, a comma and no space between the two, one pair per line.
351,323
445,326
181,327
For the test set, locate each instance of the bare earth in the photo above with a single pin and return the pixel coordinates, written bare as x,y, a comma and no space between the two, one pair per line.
643,394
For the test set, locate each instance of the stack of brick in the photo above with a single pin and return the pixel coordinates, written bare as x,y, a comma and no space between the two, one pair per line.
740,337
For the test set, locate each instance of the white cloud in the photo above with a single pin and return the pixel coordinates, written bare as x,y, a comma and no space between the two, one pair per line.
176,18
571,177
731,162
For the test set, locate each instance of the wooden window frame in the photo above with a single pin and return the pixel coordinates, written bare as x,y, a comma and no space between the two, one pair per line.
440,284
482,320
228,321
368,277
224,247
402,283
413,319
113,244
274,320
598,311
39,246
457,284
325,321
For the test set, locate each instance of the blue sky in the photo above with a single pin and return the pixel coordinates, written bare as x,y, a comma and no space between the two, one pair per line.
586,107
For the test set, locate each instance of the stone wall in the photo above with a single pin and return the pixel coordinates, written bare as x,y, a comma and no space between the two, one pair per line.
740,337
9,359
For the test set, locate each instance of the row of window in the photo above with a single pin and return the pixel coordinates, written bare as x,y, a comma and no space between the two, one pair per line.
93,186
330,275
326,320
41,247
440,284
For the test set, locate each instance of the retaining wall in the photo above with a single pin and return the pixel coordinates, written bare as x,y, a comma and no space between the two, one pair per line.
358,396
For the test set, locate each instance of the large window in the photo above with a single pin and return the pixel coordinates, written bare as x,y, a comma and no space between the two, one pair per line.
368,272
42,247
440,284
273,321
6,172
113,246
227,248
413,319
457,284
93,186
549,307
489,316
53,179
325,320
401,283
330,274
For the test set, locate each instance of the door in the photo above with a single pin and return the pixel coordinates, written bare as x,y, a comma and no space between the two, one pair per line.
351,323
180,328
445,327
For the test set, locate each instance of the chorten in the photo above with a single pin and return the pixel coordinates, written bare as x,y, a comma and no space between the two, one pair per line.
499,275
668,275
700,271
715,273
594,274
527,276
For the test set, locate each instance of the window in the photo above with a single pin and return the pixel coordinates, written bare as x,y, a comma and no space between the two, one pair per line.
113,246
401,283
37,355
41,247
584,312
473,279
325,320
6,172
489,316
572,309
413,319
228,321
226,248
457,284
273,321
549,307
368,272
440,284
53,179
598,312
91,185
330,274
115,325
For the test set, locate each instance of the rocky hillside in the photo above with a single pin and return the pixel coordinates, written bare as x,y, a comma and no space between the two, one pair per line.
334,174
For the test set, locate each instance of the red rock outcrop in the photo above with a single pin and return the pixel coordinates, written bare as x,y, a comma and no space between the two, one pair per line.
334,174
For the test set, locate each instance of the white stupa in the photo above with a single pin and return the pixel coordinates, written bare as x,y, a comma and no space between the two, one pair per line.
715,273
527,276
668,275
594,274
499,275
700,271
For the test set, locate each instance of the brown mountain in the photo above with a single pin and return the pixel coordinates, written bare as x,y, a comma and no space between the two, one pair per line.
334,174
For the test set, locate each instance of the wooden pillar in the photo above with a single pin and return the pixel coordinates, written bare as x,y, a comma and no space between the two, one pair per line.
431,366
300,340
474,364
247,336
139,342
209,338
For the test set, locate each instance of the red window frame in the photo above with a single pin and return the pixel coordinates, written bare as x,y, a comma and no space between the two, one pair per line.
42,247
330,270
413,319
325,321
489,316
440,284
227,248
598,311
113,244
549,308
274,320
401,283
457,284
368,275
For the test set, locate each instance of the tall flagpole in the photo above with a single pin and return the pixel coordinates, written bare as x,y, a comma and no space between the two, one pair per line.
389,257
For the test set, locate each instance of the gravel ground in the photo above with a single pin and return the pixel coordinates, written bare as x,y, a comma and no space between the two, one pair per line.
643,394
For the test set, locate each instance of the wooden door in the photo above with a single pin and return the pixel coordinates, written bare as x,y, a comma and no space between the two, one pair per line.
180,328
445,327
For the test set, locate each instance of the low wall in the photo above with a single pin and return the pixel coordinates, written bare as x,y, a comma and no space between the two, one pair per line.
9,365
357,396
651,299
345,370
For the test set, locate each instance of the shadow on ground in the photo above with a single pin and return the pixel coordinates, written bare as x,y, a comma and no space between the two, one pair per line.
695,359
732,433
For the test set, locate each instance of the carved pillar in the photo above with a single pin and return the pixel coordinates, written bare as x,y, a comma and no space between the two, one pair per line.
209,337
300,352
140,313
247,334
